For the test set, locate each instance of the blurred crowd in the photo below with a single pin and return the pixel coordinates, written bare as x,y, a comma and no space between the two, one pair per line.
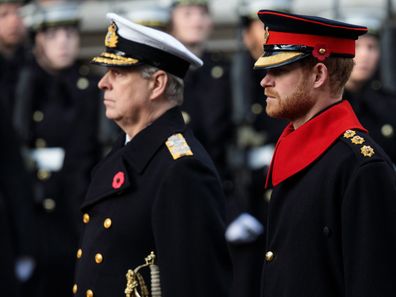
53,130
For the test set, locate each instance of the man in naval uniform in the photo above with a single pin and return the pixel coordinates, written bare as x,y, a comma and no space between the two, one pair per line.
157,190
332,215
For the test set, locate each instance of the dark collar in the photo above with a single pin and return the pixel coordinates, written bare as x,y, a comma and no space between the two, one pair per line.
297,149
113,175
144,145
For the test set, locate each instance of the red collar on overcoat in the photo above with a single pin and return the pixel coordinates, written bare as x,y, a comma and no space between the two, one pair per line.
297,149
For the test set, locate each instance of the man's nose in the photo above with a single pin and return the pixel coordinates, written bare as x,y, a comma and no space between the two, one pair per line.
267,81
103,84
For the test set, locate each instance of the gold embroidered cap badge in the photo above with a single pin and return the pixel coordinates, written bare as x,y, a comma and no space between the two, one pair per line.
111,38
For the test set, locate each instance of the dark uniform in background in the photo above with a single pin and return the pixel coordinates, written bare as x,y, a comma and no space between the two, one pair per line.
56,116
372,102
9,72
331,218
157,192
207,106
16,202
255,141
375,107
16,207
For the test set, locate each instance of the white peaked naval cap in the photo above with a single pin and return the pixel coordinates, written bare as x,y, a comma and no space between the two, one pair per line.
130,44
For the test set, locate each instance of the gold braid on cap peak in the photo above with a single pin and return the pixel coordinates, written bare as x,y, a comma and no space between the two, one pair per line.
136,287
280,57
113,59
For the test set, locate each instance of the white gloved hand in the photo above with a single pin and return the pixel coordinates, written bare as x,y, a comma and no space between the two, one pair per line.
24,267
244,229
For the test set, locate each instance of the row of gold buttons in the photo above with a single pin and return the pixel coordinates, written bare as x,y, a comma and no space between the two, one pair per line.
98,257
89,293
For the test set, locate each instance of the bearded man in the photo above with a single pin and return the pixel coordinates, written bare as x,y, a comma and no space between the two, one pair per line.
331,218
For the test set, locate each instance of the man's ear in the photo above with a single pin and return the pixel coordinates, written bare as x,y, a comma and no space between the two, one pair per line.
158,83
321,75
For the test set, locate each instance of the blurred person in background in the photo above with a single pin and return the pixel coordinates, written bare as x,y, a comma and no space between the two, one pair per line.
254,145
207,90
151,15
374,105
12,54
17,235
16,202
56,117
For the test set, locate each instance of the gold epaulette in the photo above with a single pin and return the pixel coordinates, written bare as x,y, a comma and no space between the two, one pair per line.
178,146
365,150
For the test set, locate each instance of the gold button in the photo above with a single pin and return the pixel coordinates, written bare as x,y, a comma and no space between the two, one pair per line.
107,223
40,143
82,83
322,51
257,108
86,218
89,293
217,72
79,253
38,116
75,288
43,175
98,258
269,256
387,130
49,204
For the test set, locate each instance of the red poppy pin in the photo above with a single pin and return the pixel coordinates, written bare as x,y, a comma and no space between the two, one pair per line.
321,52
118,180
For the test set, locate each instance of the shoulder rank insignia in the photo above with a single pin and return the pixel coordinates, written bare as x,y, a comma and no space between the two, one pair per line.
178,146
367,151
357,140
349,133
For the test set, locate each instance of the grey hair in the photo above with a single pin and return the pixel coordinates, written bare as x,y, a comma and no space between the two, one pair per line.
174,87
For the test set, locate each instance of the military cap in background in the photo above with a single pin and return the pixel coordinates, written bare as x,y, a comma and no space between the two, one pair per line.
39,17
373,23
130,44
247,10
190,2
11,1
148,14
291,37
373,19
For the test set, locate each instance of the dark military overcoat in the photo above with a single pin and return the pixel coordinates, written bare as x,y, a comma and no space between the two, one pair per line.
331,228
141,199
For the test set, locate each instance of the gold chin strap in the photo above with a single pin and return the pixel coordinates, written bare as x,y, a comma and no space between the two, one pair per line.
136,286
